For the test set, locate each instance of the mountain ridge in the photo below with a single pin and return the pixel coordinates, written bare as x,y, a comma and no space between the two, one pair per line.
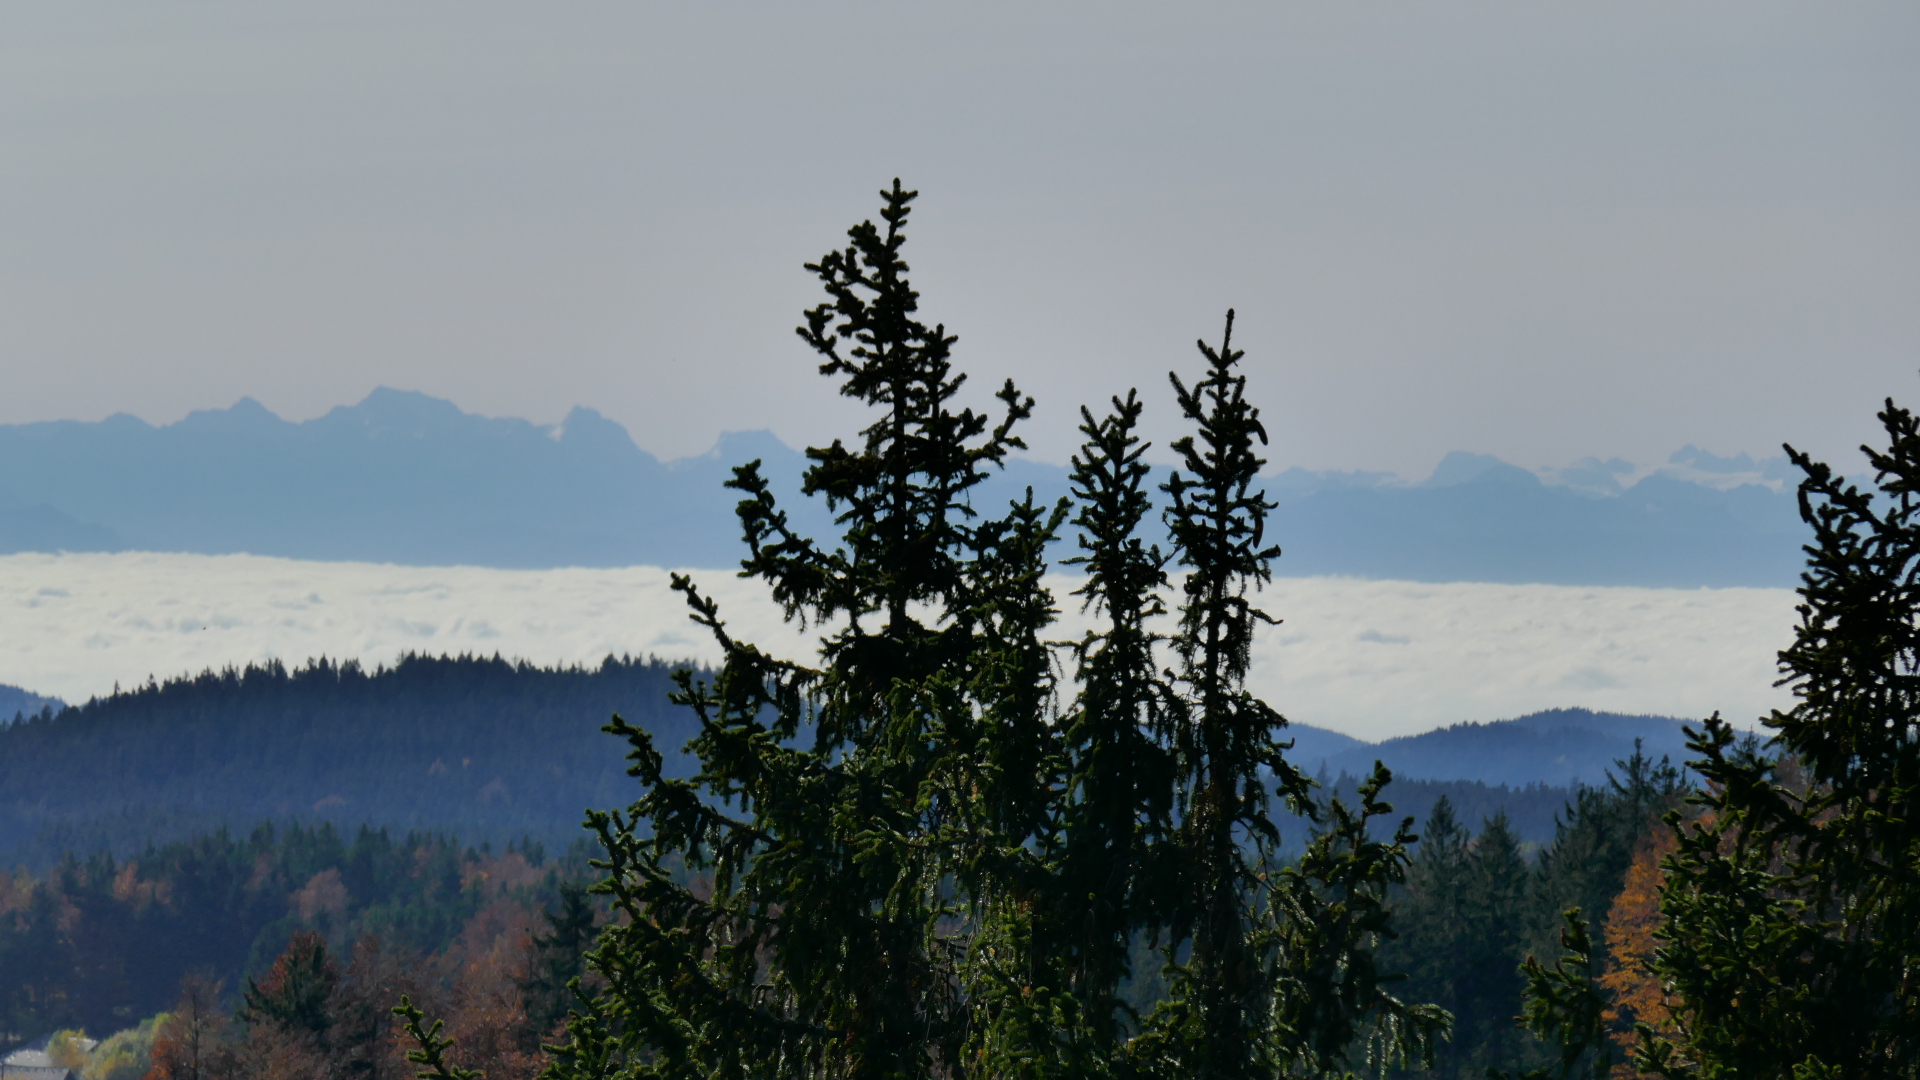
406,478
1558,747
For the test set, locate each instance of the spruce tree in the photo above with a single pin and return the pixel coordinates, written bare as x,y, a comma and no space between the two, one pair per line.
1791,944
1278,973
1495,890
1225,741
559,958
845,887
904,856
1114,872
1435,950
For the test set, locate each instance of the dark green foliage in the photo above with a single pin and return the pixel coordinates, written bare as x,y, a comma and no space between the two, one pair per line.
1595,842
1473,914
1792,905
489,749
1268,969
852,825
1536,812
1461,931
1114,874
1496,889
295,992
1331,994
430,1047
559,958
910,858
1223,738
1435,950
1565,1008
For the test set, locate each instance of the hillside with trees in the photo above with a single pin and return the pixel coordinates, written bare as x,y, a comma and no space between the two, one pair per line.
257,938
208,938
485,749
498,751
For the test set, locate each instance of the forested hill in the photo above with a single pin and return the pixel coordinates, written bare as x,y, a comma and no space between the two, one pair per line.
494,751
16,703
1557,747
405,478
485,749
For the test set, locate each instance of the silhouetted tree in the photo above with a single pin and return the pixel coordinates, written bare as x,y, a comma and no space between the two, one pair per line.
905,857
559,957
1792,904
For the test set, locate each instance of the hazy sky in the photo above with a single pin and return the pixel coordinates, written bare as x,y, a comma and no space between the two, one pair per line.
1536,229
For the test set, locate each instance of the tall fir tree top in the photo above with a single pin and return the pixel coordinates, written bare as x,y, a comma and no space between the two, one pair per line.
902,498
1218,518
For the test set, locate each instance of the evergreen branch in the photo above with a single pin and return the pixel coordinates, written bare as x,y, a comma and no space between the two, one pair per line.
430,1050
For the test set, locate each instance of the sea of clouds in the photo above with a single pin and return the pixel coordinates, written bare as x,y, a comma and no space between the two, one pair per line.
1373,659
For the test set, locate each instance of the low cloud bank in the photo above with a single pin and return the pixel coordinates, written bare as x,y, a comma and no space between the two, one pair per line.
1373,659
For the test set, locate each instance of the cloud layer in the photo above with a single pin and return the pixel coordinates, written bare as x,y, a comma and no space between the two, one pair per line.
1373,659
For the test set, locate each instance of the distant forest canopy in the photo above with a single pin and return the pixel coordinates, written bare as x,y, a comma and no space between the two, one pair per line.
495,750
100,943
402,477
487,937
485,748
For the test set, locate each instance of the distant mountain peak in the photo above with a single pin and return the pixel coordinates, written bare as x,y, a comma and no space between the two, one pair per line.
407,410
1463,467
243,416
740,447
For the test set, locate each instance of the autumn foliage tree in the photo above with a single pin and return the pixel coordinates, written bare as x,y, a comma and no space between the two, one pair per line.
1633,924
192,1043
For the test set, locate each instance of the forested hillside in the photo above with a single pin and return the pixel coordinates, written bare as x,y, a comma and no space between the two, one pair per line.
487,935
495,751
483,748
98,943
1558,747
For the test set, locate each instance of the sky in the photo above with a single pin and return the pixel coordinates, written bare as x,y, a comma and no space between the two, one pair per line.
1372,659
1536,230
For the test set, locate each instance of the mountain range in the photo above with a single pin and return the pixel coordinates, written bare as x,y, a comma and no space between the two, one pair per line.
405,478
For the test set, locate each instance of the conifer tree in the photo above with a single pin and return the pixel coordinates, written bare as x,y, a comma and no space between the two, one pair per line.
1434,948
293,993
1225,740
904,857
1279,973
1594,843
559,957
1114,872
1490,982
1791,945
845,887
